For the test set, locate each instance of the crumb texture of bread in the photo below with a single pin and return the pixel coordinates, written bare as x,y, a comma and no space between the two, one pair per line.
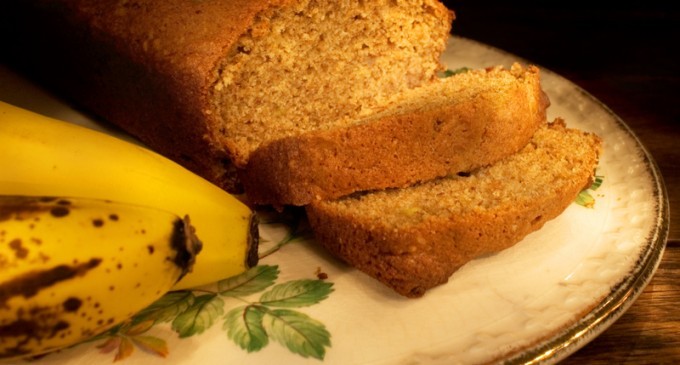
316,65
413,239
443,127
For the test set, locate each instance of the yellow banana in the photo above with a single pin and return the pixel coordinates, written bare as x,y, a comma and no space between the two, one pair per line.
71,268
41,156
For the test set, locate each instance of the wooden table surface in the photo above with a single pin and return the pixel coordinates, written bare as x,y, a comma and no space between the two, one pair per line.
627,57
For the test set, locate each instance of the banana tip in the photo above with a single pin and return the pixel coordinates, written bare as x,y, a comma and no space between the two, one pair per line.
252,256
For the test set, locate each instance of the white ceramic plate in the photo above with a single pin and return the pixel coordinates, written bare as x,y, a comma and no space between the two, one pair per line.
537,302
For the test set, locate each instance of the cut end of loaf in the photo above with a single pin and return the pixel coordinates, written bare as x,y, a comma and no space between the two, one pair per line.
320,64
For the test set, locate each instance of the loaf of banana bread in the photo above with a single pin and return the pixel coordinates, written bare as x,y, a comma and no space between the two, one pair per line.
209,82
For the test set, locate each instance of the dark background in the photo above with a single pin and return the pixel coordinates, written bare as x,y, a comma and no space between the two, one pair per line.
626,56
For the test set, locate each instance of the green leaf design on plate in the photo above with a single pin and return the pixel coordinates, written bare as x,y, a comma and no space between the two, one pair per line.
297,293
125,349
136,328
200,316
252,281
167,308
298,332
151,344
110,345
244,327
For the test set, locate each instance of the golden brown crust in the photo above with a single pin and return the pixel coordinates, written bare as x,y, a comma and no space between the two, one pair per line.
398,150
412,258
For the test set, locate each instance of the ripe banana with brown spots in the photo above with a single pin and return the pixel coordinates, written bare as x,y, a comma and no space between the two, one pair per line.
71,268
40,156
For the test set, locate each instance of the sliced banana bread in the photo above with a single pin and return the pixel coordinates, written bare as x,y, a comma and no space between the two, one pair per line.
456,124
413,239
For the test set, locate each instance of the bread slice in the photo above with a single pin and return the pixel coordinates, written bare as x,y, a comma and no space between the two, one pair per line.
413,239
454,124
208,82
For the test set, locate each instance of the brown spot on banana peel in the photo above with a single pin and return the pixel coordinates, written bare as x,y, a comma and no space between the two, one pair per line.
29,284
21,207
19,250
60,212
72,304
25,329
38,326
